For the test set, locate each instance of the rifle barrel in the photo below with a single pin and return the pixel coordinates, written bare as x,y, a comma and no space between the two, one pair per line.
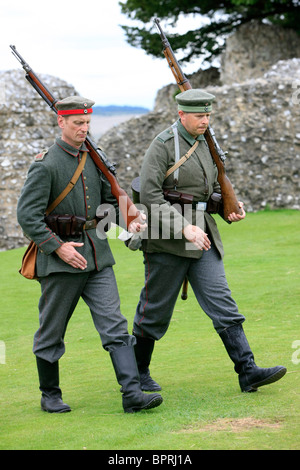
19,58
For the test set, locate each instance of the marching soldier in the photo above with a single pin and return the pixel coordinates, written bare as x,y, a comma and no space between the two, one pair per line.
74,262
187,244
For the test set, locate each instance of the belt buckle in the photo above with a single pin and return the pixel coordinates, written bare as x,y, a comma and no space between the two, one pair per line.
201,206
89,224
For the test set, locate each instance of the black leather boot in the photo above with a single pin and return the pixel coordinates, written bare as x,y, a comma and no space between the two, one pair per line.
133,398
51,400
143,353
250,375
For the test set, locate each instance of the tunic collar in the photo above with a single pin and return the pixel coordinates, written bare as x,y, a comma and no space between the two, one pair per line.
69,149
185,134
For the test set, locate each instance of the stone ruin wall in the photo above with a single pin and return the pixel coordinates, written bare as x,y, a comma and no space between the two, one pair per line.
256,119
257,122
27,125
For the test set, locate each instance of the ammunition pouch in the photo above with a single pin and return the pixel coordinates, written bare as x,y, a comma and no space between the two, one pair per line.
66,225
214,203
175,197
72,226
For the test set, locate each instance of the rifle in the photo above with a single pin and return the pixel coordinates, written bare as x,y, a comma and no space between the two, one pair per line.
228,196
229,199
127,208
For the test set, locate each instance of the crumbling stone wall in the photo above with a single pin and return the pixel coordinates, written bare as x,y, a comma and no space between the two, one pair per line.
254,48
256,119
27,125
257,122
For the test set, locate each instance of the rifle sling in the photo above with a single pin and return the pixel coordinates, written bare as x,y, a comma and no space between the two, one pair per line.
182,160
70,185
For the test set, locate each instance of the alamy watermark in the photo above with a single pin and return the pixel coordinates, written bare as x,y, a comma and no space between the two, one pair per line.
296,93
2,94
2,352
296,354
164,224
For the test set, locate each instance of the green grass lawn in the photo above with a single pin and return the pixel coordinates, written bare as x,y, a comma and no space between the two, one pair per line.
203,407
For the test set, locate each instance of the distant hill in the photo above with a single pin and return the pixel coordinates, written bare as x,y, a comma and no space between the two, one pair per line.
114,109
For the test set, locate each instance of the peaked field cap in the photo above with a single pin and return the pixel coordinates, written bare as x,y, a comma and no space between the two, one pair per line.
195,101
74,105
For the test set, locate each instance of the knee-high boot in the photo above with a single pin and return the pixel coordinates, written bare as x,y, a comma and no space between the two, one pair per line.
143,353
250,375
51,400
126,370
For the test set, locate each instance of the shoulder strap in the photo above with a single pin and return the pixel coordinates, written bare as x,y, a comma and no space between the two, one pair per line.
182,160
177,152
70,185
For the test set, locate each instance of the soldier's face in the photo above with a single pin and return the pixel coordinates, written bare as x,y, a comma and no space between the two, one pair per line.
74,128
195,123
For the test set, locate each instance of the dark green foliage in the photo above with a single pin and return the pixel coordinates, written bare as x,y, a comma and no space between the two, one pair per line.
206,42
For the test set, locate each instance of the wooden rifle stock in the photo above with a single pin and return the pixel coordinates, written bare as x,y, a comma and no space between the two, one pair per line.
127,208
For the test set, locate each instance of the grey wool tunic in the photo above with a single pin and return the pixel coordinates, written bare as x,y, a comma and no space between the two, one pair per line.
197,177
47,177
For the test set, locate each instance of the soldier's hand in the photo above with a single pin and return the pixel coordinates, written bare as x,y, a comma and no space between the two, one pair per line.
71,256
138,224
197,236
233,217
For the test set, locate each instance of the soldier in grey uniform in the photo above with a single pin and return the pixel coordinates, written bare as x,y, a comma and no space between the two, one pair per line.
75,263
187,244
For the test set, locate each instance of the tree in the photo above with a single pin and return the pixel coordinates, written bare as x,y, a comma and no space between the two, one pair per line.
207,41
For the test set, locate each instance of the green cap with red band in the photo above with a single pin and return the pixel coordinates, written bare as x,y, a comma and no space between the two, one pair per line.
74,105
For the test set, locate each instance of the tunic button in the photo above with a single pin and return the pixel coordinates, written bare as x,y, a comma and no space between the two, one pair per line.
88,197
89,207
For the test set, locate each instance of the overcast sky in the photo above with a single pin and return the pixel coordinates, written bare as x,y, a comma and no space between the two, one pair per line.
82,42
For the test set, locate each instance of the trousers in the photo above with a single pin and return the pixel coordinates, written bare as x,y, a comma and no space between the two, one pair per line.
164,275
60,293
